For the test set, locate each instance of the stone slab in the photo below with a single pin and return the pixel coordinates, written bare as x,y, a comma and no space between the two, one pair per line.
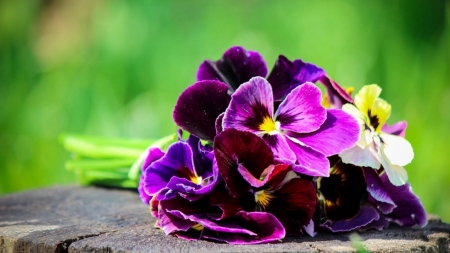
93,219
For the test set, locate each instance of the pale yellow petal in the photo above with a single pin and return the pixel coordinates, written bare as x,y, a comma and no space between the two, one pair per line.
357,114
382,110
366,97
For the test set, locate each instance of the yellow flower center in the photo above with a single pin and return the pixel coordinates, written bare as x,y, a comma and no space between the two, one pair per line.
198,227
263,198
269,126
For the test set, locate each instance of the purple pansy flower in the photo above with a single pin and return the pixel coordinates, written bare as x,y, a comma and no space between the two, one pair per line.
245,163
200,105
379,203
186,168
191,220
301,132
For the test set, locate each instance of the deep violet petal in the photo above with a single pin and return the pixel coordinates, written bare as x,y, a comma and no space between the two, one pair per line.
287,75
199,106
377,191
177,162
366,215
409,210
236,66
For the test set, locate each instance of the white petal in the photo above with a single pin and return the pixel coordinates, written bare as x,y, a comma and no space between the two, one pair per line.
359,156
396,150
396,174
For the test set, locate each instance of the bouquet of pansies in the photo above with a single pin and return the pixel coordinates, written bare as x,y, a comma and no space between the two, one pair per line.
260,156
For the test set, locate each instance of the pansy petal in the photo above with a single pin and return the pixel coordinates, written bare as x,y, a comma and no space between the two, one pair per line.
145,198
307,72
366,215
229,205
266,227
251,107
237,66
397,174
233,147
336,95
409,211
287,75
343,191
313,162
398,128
301,111
170,223
359,156
381,111
294,204
366,97
377,191
154,154
380,224
203,157
396,150
279,146
219,122
310,229
339,132
352,110
199,106
177,162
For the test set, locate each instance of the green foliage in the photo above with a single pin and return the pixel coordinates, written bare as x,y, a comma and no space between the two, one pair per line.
115,69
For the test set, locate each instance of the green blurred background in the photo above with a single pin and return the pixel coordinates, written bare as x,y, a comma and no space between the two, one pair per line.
115,69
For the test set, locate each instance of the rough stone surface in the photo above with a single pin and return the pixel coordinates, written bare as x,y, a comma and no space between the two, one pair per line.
90,219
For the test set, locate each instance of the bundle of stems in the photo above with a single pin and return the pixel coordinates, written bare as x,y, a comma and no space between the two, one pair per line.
109,162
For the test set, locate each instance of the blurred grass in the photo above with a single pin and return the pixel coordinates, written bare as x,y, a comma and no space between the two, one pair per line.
115,69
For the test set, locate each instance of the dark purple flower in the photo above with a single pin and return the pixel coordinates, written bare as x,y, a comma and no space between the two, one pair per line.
199,106
301,132
186,168
245,163
343,191
235,67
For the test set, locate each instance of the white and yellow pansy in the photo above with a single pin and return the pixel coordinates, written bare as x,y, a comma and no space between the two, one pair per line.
375,147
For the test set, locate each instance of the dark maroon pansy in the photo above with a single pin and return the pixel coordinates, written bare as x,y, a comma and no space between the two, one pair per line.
245,162
343,191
